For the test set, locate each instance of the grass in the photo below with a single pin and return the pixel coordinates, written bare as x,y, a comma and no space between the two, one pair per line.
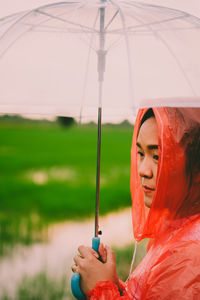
40,287
48,172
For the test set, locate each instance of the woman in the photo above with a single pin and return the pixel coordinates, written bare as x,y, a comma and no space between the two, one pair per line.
165,189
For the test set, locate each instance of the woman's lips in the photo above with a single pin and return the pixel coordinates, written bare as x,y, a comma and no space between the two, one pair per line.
147,189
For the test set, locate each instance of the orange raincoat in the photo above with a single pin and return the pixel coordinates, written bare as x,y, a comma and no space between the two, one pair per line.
171,267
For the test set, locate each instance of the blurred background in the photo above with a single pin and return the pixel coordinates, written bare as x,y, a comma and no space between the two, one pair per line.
47,201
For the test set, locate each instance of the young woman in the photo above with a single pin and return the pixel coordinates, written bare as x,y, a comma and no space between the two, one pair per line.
165,189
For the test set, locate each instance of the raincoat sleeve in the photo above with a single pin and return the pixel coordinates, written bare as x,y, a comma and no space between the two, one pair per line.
176,274
107,290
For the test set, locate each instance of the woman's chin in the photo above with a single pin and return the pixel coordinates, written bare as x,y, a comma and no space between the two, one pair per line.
147,201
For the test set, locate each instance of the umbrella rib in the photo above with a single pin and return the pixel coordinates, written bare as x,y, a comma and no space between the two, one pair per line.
89,30
12,16
183,13
147,32
49,16
130,28
41,28
178,63
167,8
10,28
109,23
111,20
128,51
173,55
26,13
63,20
71,30
166,29
162,22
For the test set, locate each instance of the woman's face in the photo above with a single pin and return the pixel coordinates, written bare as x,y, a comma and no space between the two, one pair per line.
147,160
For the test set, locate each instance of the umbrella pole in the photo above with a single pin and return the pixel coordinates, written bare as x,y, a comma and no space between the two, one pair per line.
75,281
98,173
101,68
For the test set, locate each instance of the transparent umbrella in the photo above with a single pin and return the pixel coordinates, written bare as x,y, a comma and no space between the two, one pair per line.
79,57
55,59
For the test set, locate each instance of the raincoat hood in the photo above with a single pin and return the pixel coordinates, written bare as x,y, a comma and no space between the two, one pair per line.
177,195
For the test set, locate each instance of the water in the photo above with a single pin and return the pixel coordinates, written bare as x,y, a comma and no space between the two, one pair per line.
56,256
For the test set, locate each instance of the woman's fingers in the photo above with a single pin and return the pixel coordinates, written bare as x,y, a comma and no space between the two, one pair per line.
78,259
81,260
110,255
86,254
86,251
74,268
103,253
93,252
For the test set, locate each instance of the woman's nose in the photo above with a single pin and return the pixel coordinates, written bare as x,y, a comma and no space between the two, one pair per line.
145,169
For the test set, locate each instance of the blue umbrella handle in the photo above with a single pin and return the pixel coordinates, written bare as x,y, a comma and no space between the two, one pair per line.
75,281
95,243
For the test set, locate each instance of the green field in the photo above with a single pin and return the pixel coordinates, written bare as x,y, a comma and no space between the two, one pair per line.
48,174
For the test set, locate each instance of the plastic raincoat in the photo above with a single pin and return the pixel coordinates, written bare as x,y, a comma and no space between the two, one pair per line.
171,267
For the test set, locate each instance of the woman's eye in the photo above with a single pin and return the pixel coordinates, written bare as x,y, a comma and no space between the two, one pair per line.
156,157
140,153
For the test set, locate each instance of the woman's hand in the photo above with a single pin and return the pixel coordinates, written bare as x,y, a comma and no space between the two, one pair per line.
93,270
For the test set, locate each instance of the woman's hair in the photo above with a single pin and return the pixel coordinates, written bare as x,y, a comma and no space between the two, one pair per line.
149,114
191,144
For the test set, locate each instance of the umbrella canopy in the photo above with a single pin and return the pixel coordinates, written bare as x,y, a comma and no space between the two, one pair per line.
69,58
